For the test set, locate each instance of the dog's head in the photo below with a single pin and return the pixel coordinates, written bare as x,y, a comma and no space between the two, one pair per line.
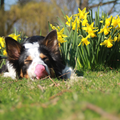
36,57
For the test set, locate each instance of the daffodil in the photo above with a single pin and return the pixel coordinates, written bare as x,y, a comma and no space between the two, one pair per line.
2,41
108,20
118,38
81,13
54,27
115,39
105,29
84,41
76,22
108,43
4,52
85,21
118,21
114,22
90,29
69,19
61,37
102,20
14,36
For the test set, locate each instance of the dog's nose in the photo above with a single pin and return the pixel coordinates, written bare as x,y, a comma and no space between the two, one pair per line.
40,71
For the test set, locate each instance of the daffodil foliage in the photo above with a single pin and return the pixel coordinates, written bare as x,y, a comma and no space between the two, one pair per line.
87,42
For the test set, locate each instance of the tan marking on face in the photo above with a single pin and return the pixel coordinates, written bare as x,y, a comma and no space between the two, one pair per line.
21,74
42,56
52,73
26,76
27,60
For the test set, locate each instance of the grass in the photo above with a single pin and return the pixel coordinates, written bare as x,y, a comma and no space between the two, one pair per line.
94,96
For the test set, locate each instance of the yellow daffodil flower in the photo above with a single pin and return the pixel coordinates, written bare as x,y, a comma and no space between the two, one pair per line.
114,22
101,21
54,27
107,43
81,13
4,52
14,36
85,21
61,36
118,38
60,39
2,41
69,19
76,21
105,29
92,34
108,20
103,16
115,39
84,41
90,29
118,21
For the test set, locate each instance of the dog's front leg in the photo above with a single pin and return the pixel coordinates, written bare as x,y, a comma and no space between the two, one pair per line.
11,71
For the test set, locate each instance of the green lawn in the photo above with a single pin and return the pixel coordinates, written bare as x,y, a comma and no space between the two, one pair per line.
93,96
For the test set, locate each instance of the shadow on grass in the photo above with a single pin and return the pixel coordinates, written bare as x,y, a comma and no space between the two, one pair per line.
79,73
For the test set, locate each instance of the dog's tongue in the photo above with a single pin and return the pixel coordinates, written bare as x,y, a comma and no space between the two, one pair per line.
40,71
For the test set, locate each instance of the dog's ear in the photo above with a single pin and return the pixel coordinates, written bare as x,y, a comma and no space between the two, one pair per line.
13,48
51,41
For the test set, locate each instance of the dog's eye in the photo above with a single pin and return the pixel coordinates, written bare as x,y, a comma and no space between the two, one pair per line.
45,59
27,61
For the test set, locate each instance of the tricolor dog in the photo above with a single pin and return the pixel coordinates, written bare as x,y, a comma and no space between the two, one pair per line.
35,58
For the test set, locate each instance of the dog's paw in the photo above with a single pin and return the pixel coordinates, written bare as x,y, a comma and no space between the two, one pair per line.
7,74
67,72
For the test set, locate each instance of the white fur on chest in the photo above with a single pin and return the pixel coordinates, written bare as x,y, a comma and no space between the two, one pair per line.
11,71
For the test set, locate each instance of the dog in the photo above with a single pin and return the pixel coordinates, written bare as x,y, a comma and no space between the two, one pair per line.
35,58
